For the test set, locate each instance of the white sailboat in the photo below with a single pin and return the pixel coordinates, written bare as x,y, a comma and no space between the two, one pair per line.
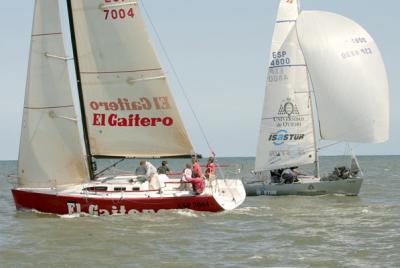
322,60
127,111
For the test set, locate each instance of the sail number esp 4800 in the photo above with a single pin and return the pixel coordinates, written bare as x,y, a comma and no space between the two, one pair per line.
122,11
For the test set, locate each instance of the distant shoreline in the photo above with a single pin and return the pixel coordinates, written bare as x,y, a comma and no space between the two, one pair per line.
366,155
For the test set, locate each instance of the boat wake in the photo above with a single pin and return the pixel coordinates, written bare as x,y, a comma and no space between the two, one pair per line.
187,213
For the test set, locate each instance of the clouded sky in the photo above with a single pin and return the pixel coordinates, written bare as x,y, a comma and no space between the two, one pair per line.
220,51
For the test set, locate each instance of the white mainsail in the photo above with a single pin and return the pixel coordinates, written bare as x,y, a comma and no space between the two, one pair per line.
129,108
287,134
348,76
50,151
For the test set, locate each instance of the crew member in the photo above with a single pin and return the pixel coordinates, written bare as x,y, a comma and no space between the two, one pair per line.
196,167
164,169
151,175
210,168
289,175
197,182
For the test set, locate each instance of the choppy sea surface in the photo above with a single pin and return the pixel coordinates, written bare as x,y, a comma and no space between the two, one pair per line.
322,231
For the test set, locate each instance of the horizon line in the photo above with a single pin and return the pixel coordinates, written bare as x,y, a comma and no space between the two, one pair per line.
362,155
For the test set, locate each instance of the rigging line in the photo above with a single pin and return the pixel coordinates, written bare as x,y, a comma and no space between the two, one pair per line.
329,145
109,167
48,107
178,80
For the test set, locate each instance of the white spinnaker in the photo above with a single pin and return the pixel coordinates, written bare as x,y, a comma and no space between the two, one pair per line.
286,135
122,78
50,150
348,76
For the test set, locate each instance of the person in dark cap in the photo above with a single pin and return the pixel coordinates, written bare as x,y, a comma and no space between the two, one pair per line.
289,175
164,169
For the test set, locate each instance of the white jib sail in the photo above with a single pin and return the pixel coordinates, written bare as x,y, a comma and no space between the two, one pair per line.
348,76
129,108
50,149
286,135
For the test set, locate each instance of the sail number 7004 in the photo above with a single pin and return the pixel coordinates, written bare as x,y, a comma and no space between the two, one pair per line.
120,13
117,9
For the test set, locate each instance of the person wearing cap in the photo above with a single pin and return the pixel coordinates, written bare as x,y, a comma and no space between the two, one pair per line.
289,175
164,169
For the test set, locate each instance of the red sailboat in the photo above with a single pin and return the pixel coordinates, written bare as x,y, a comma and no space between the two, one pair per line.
127,111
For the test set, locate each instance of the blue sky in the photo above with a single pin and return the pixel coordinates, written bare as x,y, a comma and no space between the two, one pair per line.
220,51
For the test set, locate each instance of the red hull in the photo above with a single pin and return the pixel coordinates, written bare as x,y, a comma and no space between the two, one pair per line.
58,204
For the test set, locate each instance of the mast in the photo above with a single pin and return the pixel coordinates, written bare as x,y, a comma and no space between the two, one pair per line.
317,169
89,159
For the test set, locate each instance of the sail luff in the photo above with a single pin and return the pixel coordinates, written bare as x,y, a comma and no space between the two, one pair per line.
80,93
28,75
314,116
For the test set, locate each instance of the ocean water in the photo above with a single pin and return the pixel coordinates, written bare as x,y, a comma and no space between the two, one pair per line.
322,231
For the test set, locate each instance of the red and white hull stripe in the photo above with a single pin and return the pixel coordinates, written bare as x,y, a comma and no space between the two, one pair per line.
101,206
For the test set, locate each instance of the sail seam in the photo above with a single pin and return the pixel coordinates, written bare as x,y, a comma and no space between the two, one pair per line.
44,34
49,107
283,21
292,65
125,71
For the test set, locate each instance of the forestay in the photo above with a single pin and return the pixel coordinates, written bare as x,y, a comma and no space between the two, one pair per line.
50,152
129,108
286,136
348,76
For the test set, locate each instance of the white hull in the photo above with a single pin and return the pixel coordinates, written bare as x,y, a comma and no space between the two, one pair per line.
307,186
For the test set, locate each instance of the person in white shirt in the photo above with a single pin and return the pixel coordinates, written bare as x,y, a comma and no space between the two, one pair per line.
187,173
151,175
186,177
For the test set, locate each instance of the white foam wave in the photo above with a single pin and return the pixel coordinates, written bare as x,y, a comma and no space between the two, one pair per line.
255,257
187,213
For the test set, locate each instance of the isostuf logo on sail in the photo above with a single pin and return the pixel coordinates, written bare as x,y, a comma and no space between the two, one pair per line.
283,135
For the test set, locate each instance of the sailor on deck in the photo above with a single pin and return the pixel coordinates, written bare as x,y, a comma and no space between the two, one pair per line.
289,175
210,168
151,175
194,178
196,167
164,169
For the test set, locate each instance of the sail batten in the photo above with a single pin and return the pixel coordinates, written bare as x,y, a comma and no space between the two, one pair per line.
286,136
129,109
